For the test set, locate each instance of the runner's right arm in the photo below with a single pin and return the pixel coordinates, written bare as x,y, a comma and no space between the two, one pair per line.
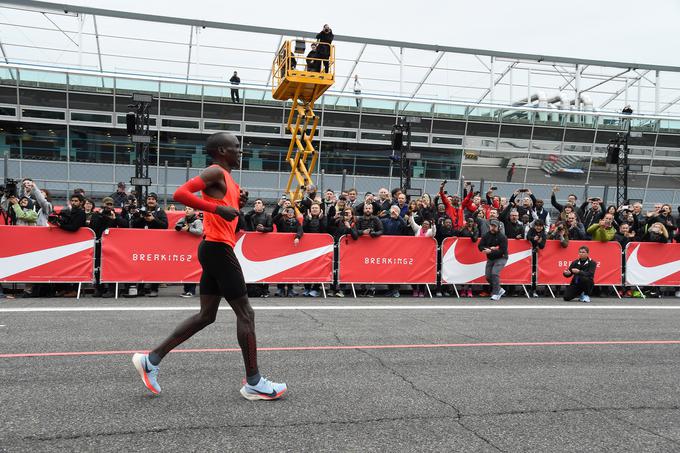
185,194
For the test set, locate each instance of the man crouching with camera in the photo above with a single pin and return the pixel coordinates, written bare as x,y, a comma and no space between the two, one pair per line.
582,273
149,217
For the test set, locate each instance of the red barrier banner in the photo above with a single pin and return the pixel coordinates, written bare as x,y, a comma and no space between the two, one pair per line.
136,255
274,258
462,262
388,259
46,255
131,255
554,259
653,264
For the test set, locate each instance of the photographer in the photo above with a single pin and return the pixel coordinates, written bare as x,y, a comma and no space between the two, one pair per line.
582,273
73,218
603,231
368,200
575,229
592,215
22,212
150,217
560,233
101,221
656,232
129,210
345,225
70,219
191,224
308,199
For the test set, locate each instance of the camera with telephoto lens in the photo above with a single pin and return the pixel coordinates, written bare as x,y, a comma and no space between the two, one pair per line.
10,188
53,219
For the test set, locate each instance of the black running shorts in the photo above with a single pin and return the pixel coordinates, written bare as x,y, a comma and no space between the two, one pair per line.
222,274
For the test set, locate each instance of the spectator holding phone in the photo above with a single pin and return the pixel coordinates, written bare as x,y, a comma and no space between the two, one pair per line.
453,207
591,216
603,231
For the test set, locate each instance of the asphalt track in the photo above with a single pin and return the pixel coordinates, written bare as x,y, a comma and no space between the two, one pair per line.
419,375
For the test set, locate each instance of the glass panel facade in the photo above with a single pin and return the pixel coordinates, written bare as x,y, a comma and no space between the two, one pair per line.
355,138
33,141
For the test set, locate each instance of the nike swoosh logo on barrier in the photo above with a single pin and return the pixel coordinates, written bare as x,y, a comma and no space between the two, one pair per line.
638,274
259,270
12,265
454,270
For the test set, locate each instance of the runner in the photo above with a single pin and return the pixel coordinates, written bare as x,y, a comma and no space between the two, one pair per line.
222,275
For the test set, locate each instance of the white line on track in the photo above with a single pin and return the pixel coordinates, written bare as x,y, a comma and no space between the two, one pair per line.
348,308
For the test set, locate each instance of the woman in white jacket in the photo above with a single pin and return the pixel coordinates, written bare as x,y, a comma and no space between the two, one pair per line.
425,230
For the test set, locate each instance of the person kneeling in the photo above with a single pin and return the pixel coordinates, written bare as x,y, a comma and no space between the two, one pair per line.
582,273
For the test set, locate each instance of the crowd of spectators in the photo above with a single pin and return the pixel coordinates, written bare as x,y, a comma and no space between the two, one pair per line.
518,215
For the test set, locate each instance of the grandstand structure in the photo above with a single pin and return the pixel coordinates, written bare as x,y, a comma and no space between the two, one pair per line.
67,73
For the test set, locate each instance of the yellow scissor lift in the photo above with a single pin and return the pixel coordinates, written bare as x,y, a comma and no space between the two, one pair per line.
293,80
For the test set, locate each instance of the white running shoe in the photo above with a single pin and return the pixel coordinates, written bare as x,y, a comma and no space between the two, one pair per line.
264,390
147,371
500,293
495,297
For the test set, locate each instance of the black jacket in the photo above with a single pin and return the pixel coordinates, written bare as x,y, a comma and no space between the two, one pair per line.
71,219
159,222
341,229
587,270
253,219
286,225
371,223
100,223
542,236
443,233
491,240
466,233
313,64
314,225
325,39
513,230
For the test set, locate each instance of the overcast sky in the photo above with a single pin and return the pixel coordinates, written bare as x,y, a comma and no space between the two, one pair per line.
623,30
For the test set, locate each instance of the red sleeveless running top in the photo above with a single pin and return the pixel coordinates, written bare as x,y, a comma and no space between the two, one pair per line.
215,228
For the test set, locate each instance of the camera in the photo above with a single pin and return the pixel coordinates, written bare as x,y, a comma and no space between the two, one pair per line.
53,219
178,227
10,187
493,188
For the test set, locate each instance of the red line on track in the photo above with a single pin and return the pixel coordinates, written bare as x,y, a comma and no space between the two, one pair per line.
338,348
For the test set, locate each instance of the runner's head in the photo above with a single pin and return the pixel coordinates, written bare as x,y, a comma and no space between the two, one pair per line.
225,149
